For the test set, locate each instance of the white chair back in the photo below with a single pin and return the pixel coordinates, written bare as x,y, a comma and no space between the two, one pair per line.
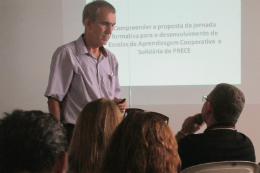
224,167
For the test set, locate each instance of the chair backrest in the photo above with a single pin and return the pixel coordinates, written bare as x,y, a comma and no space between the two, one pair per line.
224,167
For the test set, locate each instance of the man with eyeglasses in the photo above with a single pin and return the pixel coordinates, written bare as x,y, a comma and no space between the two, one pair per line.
220,141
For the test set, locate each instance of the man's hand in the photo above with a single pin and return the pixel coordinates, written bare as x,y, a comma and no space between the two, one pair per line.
190,125
121,106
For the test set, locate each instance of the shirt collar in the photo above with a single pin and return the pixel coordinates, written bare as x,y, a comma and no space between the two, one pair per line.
221,125
82,49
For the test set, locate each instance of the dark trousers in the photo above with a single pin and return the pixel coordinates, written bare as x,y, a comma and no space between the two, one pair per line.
69,131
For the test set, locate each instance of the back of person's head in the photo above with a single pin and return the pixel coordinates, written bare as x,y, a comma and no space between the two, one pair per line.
31,141
142,143
93,130
91,10
227,102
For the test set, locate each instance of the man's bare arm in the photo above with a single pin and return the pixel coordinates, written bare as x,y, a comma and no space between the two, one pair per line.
54,107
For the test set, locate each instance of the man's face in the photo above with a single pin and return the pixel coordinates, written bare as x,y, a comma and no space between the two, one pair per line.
101,29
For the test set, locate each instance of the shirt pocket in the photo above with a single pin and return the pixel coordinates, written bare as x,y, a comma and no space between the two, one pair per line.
109,84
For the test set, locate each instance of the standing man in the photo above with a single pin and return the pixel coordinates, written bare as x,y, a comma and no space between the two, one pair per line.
84,70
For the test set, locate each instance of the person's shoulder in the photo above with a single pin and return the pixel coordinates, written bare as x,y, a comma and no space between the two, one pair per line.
68,46
191,138
243,140
64,50
236,133
242,136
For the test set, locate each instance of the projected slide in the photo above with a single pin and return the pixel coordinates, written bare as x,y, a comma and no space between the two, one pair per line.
177,42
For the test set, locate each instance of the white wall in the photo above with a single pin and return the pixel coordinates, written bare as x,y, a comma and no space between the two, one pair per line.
31,30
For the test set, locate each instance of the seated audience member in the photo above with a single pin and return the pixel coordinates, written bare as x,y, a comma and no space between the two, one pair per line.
32,141
220,141
93,130
142,143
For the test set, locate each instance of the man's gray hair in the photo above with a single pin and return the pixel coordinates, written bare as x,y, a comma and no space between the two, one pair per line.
30,141
227,103
91,10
